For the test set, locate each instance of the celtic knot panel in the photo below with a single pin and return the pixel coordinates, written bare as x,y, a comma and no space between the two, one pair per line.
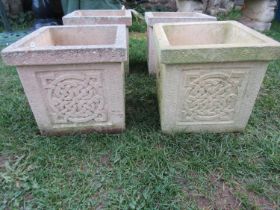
210,96
75,98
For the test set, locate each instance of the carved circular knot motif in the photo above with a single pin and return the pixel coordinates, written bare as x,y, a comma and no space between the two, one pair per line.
211,97
76,98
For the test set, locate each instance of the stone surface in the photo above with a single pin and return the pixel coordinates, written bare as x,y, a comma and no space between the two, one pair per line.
167,17
260,10
189,6
208,81
96,17
212,7
73,83
257,25
258,14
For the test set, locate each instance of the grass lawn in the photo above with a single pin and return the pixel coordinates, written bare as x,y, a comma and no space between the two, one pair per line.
140,168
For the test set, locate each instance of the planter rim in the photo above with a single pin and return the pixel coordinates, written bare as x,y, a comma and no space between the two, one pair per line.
19,55
265,50
126,18
153,18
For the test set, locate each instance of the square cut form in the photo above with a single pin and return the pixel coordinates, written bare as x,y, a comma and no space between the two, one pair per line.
153,18
101,17
73,82
210,74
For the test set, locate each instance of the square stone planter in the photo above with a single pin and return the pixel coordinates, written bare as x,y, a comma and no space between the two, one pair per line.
153,18
210,74
97,17
73,82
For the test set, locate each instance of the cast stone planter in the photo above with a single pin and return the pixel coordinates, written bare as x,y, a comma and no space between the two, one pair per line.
153,18
97,17
73,77
210,74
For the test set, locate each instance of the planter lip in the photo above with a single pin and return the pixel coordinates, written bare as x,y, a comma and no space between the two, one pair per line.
74,18
19,55
153,18
265,50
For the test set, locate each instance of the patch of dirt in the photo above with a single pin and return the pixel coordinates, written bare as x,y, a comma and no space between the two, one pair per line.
100,206
224,198
261,202
201,201
3,159
101,197
28,197
257,200
105,160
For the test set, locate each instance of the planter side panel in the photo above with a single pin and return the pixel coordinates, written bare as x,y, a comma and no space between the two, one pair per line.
76,98
217,97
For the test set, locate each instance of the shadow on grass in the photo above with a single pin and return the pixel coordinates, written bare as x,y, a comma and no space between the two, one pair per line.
141,98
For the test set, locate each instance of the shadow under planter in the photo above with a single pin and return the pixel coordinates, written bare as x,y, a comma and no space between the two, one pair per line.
97,17
73,83
210,74
153,18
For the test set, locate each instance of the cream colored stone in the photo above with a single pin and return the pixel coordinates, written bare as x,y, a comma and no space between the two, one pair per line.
73,82
189,6
210,74
153,18
258,14
260,10
257,25
96,17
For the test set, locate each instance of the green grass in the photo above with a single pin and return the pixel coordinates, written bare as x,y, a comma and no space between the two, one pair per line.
138,25
232,15
140,168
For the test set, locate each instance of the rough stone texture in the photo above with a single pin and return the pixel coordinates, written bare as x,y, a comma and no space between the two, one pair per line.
212,7
167,17
162,5
96,17
73,83
189,6
257,25
210,74
260,10
258,14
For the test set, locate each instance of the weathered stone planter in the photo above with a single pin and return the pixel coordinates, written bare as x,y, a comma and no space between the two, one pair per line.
168,17
73,77
97,17
210,74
